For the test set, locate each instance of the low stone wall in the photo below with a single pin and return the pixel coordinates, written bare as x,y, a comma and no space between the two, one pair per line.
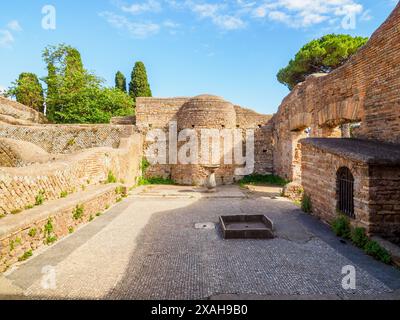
68,138
21,234
20,186
376,191
319,170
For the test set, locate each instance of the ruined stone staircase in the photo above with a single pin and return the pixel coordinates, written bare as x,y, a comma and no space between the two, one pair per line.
22,233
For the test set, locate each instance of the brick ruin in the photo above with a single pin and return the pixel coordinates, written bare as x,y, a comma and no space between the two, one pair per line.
204,112
302,142
365,90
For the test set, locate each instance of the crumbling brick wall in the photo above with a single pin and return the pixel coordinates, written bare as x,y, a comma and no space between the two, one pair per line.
71,173
12,112
365,89
204,112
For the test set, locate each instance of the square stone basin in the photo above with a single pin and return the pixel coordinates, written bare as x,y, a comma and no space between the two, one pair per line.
247,227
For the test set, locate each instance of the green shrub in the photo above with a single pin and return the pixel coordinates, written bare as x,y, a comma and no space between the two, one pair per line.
32,233
341,227
157,180
144,165
70,230
78,212
111,178
375,250
29,206
71,142
39,199
64,194
306,205
359,237
50,240
16,211
48,231
48,228
26,256
119,190
259,179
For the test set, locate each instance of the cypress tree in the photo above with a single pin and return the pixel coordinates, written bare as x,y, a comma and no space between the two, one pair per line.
28,91
52,91
139,85
120,81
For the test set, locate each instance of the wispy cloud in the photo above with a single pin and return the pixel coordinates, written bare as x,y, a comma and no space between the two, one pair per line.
218,15
136,8
305,13
138,30
230,15
14,26
6,35
6,38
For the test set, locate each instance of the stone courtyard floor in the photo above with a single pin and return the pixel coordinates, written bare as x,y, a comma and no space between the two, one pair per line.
147,247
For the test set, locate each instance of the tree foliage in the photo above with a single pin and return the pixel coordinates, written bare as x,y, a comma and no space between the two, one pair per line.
75,95
120,81
28,91
322,55
139,85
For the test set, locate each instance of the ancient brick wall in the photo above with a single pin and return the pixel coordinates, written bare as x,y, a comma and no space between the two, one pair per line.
70,173
384,201
68,138
365,89
376,190
204,112
319,170
157,112
247,118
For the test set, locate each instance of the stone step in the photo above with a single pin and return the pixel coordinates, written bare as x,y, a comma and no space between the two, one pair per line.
22,233
392,248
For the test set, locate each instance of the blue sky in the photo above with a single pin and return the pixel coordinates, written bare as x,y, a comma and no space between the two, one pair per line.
229,48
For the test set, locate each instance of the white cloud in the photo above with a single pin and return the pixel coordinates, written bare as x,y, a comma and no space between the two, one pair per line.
14,26
305,13
230,15
171,24
216,12
151,6
6,38
135,29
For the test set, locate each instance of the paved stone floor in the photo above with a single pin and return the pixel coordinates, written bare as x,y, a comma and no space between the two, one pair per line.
147,247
